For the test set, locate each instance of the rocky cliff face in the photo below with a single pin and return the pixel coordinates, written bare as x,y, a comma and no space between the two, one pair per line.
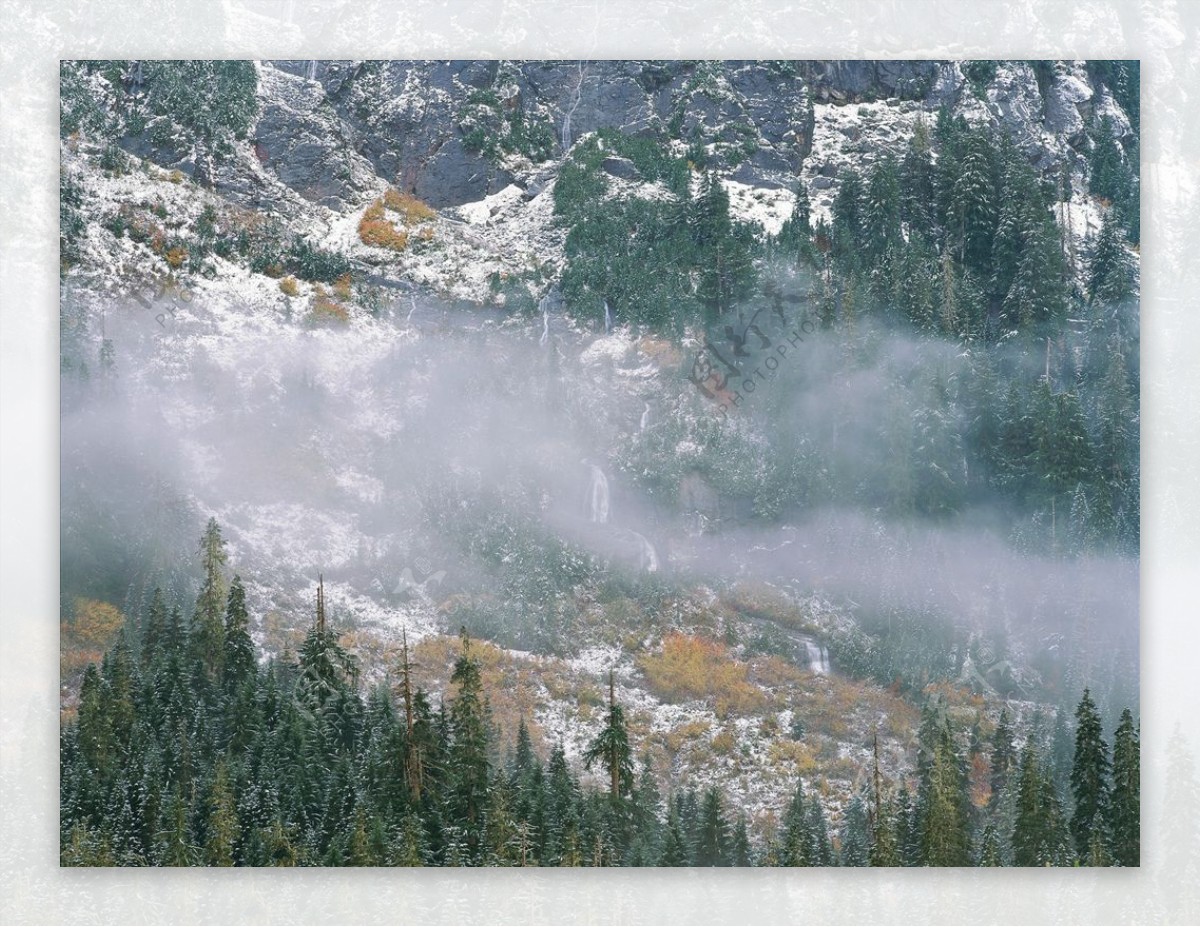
455,132
329,136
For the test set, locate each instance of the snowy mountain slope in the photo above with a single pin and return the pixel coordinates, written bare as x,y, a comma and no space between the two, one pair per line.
318,419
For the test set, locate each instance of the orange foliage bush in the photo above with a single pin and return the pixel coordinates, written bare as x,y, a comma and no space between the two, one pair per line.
377,230
176,256
799,755
686,733
412,211
96,622
325,309
289,286
724,743
774,671
697,667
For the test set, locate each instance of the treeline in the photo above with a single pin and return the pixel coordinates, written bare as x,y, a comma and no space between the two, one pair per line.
186,751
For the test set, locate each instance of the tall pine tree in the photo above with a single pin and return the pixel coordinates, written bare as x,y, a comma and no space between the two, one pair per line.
1089,777
1126,800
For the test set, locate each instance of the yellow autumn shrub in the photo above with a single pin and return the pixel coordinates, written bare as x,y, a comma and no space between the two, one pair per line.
324,309
379,232
797,755
411,210
96,622
701,668
376,229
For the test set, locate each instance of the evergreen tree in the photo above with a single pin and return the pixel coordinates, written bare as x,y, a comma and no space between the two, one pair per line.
713,837
468,754
420,748
327,672
222,822
796,843
1089,776
646,801
409,848
611,749
1061,752
885,847
154,631
1116,455
917,183
726,271
1003,755
1036,293
989,846
740,854
1020,212
911,284
208,628
523,760
501,839
675,851
820,851
880,210
942,799
1062,453
795,235
856,840
175,847
1112,273
908,841
1125,803
1039,835
972,204
847,229
885,850
238,663
1111,179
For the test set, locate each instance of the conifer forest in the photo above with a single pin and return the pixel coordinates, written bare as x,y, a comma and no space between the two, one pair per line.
599,463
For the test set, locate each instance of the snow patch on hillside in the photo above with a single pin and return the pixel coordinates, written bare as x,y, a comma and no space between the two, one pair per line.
854,136
768,208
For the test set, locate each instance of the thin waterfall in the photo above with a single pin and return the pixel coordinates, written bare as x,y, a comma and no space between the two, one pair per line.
818,657
598,496
647,555
566,126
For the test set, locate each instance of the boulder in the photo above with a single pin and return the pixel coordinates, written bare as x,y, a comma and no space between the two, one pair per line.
620,167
